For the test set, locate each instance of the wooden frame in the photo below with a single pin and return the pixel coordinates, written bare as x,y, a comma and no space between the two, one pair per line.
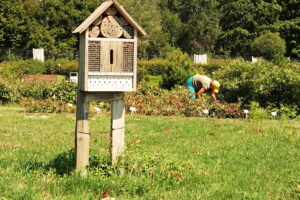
92,85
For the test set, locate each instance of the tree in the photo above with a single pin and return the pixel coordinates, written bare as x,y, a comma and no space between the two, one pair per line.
179,67
242,21
200,20
148,15
268,46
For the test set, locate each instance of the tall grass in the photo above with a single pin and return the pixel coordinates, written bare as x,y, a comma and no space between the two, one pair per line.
165,158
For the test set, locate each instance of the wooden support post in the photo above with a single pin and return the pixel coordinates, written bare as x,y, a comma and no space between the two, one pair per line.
82,133
117,128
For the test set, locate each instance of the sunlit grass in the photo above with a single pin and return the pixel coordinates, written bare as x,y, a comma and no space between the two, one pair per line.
165,158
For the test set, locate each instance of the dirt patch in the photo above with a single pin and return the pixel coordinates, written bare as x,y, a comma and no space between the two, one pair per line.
40,78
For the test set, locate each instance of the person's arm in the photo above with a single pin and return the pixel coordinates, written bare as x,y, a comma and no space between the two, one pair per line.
213,96
200,92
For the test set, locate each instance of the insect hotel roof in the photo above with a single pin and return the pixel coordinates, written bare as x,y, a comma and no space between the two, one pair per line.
101,9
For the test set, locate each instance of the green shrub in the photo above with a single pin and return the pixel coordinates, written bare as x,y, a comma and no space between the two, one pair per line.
257,112
8,56
263,82
152,100
177,70
61,66
60,91
154,67
8,93
21,67
46,106
268,46
284,111
214,65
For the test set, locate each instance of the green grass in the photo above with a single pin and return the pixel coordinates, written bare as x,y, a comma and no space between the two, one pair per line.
153,80
166,158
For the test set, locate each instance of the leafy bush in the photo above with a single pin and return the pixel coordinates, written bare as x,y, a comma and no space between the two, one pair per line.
268,46
17,68
152,100
178,68
61,91
154,66
61,66
214,65
263,82
21,67
284,111
8,93
257,112
46,106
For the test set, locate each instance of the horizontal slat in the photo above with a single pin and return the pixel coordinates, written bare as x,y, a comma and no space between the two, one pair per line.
110,73
111,90
112,39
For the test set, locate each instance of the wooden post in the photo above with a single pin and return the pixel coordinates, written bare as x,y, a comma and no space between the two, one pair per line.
117,128
82,133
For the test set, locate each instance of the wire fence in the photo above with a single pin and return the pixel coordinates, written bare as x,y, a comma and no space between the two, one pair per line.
9,54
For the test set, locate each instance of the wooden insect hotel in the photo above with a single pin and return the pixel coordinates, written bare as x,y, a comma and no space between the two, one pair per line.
107,69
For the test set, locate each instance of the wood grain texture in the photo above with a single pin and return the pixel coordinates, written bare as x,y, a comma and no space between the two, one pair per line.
82,133
111,11
83,61
111,27
116,48
135,61
103,96
97,13
98,21
100,10
117,56
117,142
128,32
105,57
94,31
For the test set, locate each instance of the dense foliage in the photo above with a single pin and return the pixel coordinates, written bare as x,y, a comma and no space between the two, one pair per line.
18,68
268,46
273,85
264,82
177,70
221,27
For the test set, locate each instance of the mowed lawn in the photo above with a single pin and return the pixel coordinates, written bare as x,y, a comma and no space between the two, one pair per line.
165,158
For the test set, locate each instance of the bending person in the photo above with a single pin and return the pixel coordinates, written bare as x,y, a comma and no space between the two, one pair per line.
199,84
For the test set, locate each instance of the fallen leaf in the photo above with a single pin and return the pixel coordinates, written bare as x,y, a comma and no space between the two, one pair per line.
105,194
137,141
175,175
211,133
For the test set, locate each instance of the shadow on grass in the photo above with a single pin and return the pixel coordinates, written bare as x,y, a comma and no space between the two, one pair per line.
64,164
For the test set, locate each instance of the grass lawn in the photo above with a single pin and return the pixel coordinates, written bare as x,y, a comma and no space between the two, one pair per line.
166,158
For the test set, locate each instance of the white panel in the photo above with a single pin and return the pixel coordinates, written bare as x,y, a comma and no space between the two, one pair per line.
38,54
200,59
110,83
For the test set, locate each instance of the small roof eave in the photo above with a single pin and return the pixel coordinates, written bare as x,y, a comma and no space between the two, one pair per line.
88,21
104,6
